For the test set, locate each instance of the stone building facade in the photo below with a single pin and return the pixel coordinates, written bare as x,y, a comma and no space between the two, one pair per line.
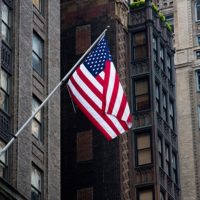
187,43
142,164
30,69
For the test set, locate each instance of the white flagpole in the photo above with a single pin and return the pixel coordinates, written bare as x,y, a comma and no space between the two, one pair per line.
52,92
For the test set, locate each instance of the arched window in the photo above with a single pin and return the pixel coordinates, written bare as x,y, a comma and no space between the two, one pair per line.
197,10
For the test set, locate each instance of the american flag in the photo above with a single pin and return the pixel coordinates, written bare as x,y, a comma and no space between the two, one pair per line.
96,89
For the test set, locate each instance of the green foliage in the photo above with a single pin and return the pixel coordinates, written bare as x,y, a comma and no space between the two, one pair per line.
137,3
162,16
155,7
169,27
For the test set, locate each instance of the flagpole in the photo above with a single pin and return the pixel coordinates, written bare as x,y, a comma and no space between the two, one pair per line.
52,92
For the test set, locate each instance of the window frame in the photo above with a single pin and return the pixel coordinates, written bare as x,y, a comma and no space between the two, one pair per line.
197,3
169,66
157,95
197,75
7,25
167,160
171,114
162,57
137,150
174,167
33,188
198,40
41,6
165,113
139,190
3,164
136,96
34,53
160,151
155,50
88,190
3,91
40,138
137,46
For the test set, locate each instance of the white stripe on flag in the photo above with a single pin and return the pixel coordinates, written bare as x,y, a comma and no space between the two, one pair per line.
116,123
126,113
102,75
87,90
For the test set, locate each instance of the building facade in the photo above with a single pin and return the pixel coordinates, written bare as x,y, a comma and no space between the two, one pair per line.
187,43
30,69
142,164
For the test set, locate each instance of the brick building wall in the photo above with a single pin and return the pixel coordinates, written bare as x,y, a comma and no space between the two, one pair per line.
30,151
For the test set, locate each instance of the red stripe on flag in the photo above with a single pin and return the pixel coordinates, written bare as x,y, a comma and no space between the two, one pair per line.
94,106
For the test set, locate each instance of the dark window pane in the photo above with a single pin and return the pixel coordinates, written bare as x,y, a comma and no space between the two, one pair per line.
198,54
4,100
5,24
144,156
139,39
143,149
35,195
142,102
37,120
85,194
38,4
140,52
142,94
84,146
37,63
146,195
37,55
198,10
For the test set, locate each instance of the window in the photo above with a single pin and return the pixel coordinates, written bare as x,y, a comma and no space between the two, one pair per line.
167,160
157,98
170,19
6,21
85,194
38,4
83,32
36,183
174,167
198,40
37,54
169,67
164,106
199,114
145,194
155,53
162,195
197,72
84,146
162,61
3,161
198,54
4,91
37,121
171,114
139,45
160,152
197,10
143,148
142,101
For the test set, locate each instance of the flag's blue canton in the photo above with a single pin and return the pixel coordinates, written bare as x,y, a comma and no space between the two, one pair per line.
95,61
